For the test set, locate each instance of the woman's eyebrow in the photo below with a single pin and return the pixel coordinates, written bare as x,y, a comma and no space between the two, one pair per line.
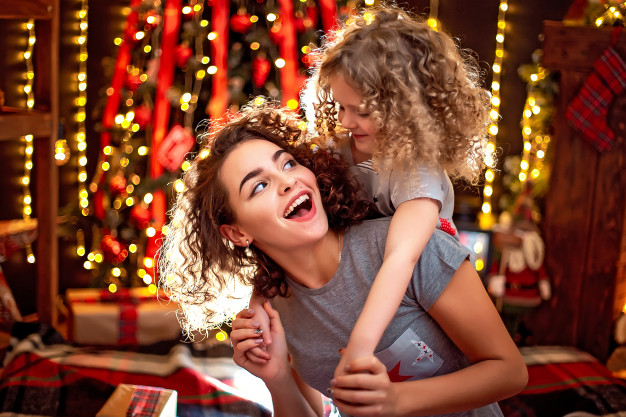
257,171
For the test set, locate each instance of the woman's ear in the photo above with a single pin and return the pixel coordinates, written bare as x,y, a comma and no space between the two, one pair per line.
233,234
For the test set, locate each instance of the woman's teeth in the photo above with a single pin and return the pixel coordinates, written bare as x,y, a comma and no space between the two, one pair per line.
295,204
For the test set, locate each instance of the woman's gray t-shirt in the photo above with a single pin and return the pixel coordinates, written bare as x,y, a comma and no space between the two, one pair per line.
318,321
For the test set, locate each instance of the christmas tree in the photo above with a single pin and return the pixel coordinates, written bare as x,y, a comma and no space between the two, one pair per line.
180,63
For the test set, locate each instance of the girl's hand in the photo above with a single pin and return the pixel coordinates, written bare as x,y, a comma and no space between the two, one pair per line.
271,364
366,390
348,355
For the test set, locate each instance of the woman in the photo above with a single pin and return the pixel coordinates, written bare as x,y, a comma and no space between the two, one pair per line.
287,220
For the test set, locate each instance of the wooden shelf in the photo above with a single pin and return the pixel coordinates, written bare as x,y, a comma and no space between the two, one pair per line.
43,125
17,122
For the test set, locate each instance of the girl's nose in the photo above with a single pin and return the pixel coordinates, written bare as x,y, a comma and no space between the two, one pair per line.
346,120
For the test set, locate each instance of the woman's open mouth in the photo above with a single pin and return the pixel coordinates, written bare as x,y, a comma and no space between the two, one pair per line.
299,208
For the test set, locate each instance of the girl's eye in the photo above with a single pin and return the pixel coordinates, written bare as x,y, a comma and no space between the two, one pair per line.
259,187
364,115
289,164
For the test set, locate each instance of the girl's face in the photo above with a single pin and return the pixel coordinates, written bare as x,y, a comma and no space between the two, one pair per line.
352,116
276,201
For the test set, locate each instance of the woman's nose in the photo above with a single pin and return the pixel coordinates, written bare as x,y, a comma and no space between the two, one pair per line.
288,182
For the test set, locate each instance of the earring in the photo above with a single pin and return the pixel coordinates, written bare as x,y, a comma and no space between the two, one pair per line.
247,244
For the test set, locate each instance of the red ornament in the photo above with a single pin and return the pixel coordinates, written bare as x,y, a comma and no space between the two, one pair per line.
172,151
277,34
141,216
183,53
113,250
260,71
117,185
133,82
143,116
240,22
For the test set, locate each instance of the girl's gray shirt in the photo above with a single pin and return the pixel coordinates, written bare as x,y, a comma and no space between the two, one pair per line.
318,321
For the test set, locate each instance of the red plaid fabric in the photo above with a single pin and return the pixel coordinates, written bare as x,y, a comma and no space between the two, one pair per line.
588,111
144,401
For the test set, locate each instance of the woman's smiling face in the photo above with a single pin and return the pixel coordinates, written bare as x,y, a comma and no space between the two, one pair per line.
276,201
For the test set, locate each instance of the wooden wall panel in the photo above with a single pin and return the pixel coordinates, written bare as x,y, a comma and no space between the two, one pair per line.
584,215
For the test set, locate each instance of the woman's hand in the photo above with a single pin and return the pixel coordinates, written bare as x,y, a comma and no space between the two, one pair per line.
366,390
266,364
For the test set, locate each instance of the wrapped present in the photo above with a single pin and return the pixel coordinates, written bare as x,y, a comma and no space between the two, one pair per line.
132,316
140,401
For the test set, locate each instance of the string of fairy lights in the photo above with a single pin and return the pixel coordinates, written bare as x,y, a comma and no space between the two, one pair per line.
486,219
28,139
80,136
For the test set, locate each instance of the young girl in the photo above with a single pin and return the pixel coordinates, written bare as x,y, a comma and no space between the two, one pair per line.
414,112
289,222
411,112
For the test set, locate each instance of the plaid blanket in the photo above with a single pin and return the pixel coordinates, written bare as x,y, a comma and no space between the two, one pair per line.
44,377
566,381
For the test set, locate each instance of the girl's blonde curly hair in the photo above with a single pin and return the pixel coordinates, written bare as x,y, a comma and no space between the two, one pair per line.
421,90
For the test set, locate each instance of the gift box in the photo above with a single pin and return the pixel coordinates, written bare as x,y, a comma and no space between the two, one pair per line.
140,401
132,316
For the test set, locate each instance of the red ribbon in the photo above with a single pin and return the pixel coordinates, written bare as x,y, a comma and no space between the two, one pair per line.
219,51
167,63
289,79
328,11
113,100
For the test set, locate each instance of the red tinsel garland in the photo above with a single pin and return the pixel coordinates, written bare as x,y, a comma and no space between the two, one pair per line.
219,58
114,98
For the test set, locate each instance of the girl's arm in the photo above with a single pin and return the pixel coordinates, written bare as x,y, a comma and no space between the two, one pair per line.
411,227
290,395
467,315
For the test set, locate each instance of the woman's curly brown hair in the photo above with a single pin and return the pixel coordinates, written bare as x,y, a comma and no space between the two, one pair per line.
422,91
196,264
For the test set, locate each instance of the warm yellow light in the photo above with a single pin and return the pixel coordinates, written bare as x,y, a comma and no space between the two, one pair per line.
221,335
493,130
132,248
185,166
499,53
148,198
254,18
279,63
531,101
499,38
527,130
527,113
536,109
179,186
488,190
205,60
486,208
142,150
479,264
112,287
495,101
527,146
212,36
535,173
292,104
504,7
271,17
432,23
496,68
212,69
489,175
369,2
147,279
495,86
200,74
148,262
524,165
106,166
204,23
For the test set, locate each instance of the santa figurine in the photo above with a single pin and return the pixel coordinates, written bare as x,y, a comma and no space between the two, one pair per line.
518,280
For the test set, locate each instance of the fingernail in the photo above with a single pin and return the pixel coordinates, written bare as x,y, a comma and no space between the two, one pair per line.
268,303
258,341
256,324
341,350
250,311
333,382
258,331
347,368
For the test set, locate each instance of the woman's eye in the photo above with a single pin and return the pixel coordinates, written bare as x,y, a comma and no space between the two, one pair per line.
259,187
289,164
